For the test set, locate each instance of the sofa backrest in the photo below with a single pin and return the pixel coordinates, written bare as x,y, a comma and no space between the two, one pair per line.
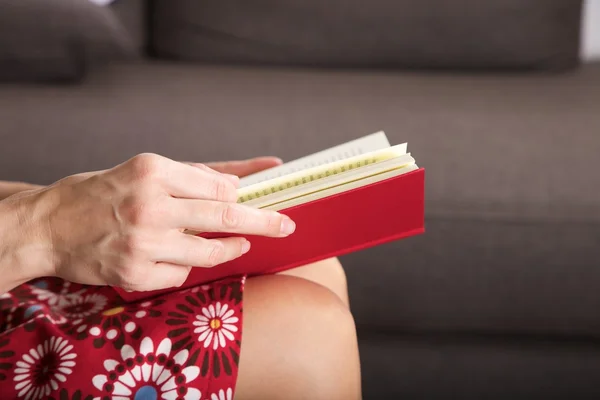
459,34
133,16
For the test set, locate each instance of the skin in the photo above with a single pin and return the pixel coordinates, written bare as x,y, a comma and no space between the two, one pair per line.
139,210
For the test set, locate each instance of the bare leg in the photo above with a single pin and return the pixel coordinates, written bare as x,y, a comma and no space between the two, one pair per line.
328,273
299,342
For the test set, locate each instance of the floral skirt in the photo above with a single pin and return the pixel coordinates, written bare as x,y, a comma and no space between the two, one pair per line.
64,341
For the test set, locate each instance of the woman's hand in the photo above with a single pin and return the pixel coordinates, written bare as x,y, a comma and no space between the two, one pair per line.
124,226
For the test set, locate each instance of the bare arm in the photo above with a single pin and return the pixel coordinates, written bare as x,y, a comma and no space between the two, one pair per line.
16,244
8,189
23,253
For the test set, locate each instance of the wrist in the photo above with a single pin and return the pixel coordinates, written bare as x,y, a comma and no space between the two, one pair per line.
25,249
8,189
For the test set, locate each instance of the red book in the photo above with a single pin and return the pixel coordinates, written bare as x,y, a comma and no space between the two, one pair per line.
384,201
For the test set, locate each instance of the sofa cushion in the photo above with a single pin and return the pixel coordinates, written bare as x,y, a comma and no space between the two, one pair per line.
464,34
473,367
512,186
52,40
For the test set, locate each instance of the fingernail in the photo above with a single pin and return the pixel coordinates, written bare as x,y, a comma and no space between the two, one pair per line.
245,247
287,226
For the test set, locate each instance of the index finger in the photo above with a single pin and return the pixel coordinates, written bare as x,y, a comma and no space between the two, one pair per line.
216,216
190,182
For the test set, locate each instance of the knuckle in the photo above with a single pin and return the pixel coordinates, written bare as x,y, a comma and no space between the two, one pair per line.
130,277
70,180
222,190
146,166
132,246
181,278
231,216
273,222
216,254
138,211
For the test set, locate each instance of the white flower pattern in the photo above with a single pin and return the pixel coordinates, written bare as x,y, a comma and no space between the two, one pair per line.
216,325
222,395
150,373
54,297
82,306
185,346
46,295
38,372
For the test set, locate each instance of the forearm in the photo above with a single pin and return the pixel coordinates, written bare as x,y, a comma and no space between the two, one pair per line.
23,248
8,189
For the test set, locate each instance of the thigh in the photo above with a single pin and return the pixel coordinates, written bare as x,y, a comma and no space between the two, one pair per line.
328,273
299,342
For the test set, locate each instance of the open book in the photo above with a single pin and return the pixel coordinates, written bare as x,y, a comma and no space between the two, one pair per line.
341,168
350,197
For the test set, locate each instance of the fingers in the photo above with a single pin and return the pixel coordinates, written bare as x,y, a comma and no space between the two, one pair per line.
233,178
214,216
182,180
145,276
164,275
186,181
214,181
183,249
245,167
171,261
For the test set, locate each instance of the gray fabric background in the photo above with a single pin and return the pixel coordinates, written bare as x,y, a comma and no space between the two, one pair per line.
461,34
498,299
513,192
57,40
133,16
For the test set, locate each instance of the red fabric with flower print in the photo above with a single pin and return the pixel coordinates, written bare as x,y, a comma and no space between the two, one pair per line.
66,341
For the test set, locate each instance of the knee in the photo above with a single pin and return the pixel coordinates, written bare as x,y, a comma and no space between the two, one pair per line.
331,367
336,270
337,279
334,278
328,273
315,336
327,363
327,335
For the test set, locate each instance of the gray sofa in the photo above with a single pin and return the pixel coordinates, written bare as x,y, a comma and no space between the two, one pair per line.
500,299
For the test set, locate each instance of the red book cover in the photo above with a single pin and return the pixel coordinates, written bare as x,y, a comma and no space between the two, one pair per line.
357,219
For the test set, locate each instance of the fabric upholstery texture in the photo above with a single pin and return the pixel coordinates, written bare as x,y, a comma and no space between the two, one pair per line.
57,40
473,368
499,298
133,16
464,34
513,194
512,189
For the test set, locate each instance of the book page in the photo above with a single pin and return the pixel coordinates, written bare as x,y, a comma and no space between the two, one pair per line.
366,144
341,188
318,173
335,180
